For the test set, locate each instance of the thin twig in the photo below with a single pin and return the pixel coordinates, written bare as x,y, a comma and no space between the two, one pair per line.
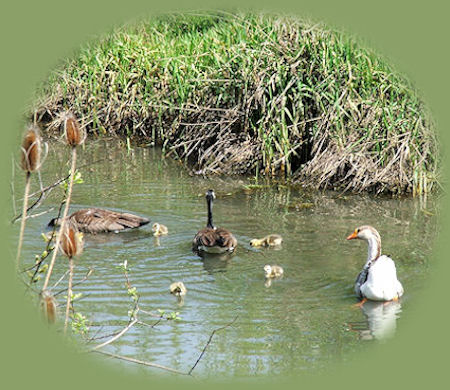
209,341
117,336
41,213
60,280
47,250
63,220
43,192
74,284
144,363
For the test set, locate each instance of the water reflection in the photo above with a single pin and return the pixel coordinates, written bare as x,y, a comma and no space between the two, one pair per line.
295,324
215,262
381,320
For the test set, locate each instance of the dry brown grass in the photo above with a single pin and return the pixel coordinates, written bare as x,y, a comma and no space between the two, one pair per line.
253,94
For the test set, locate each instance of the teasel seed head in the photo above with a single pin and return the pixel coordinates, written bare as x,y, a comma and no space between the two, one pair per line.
72,131
31,150
71,241
48,305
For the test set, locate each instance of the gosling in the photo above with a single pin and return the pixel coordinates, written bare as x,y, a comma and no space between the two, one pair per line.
178,289
159,230
273,271
270,240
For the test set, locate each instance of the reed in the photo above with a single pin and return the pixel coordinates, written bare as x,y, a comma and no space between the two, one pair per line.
246,93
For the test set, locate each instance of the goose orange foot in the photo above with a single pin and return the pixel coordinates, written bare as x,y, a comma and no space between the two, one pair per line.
396,299
361,303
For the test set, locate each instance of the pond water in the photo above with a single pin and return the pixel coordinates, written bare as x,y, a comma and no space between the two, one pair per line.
303,321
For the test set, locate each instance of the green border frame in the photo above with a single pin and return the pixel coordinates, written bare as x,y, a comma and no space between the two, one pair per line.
414,36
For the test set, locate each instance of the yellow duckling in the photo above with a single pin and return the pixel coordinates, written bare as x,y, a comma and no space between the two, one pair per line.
159,230
270,240
178,289
273,271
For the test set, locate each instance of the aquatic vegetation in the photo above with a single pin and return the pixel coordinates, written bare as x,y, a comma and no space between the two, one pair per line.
254,94
112,315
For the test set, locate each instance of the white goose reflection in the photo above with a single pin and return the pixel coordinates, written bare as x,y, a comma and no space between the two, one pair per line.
381,320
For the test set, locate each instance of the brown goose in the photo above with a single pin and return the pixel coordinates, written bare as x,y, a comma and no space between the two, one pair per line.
95,220
213,239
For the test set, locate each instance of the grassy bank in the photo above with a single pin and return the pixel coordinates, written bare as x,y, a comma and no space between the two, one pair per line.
252,94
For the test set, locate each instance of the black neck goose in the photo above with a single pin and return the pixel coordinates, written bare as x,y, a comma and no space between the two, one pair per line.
95,220
213,239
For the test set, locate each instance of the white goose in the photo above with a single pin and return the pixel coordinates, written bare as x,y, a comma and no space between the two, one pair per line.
378,279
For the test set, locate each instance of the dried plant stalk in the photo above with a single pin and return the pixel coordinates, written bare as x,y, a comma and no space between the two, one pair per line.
69,294
48,304
71,245
63,218
30,162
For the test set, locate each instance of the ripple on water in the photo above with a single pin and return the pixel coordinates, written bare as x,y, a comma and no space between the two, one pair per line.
297,322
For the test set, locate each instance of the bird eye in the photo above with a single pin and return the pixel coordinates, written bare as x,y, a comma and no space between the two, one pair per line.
358,230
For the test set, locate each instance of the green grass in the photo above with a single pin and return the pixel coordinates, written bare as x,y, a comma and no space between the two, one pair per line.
253,93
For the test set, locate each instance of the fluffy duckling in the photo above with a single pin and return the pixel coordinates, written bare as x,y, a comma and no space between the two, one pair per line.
159,230
178,289
270,240
378,279
273,271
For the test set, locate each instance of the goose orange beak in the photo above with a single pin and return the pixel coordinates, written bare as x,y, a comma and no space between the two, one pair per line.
353,235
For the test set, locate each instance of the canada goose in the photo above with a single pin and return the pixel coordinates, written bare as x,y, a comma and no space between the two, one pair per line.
270,240
213,239
273,271
178,289
159,229
378,279
95,220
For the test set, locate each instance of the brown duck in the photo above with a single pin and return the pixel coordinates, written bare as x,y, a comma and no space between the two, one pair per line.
95,220
213,239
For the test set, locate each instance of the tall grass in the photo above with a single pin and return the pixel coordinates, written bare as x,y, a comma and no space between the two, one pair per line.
244,93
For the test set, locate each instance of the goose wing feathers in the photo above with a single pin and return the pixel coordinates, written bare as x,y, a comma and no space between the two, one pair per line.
360,280
219,237
99,220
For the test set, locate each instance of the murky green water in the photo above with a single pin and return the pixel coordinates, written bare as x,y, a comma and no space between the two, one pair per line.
305,320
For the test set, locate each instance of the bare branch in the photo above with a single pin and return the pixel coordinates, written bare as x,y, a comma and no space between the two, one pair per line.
75,284
209,341
43,191
117,336
144,363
